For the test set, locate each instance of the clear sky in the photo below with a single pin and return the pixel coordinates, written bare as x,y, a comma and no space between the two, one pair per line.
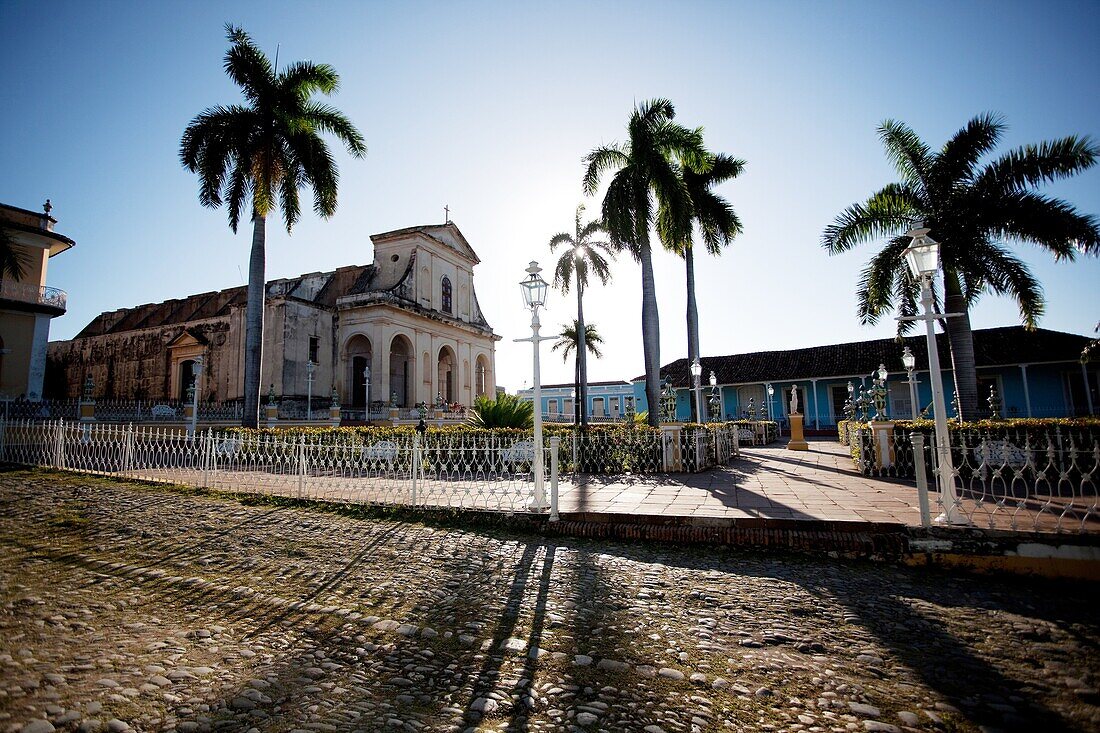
490,107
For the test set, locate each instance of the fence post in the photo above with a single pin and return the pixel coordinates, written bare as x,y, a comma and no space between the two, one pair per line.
576,468
59,445
415,463
128,455
917,439
207,457
301,465
555,444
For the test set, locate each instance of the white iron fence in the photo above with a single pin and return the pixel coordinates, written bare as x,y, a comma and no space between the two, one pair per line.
1024,480
446,469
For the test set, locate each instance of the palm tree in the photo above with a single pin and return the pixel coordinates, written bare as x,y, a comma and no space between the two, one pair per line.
582,253
718,225
265,151
974,210
13,263
646,167
574,340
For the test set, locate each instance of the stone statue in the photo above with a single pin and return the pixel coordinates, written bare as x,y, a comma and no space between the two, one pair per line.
794,399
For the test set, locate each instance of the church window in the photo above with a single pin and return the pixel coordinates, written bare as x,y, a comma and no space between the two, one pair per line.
446,294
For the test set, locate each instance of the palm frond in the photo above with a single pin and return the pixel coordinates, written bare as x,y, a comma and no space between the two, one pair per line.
1033,165
601,160
959,156
910,156
1046,222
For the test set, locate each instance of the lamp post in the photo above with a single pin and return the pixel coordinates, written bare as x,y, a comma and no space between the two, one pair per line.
878,392
850,405
714,409
923,258
910,362
696,373
534,289
366,393
310,366
771,393
576,407
195,376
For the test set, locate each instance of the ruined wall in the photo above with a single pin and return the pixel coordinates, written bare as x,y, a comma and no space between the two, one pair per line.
134,365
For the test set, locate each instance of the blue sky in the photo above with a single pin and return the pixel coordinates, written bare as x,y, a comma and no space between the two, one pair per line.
490,107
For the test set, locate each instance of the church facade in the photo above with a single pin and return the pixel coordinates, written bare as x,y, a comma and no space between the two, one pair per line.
405,329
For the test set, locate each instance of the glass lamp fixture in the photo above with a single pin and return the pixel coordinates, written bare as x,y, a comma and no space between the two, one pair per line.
908,360
923,255
534,287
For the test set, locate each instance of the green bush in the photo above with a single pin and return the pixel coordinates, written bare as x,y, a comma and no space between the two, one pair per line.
506,411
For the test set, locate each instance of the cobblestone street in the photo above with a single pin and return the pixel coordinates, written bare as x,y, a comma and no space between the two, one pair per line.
126,606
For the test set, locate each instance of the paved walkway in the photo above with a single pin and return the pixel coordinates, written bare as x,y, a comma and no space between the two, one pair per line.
771,482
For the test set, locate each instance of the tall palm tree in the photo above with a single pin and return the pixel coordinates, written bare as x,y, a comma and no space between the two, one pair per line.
259,155
975,210
573,340
582,253
646,167
718,224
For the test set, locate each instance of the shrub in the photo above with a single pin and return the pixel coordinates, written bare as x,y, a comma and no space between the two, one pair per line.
506,411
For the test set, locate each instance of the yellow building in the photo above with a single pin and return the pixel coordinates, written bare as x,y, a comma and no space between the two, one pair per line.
27,304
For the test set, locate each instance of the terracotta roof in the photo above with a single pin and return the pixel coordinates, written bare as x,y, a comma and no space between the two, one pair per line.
992,347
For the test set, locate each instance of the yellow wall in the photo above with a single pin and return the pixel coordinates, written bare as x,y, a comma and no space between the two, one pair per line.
17,332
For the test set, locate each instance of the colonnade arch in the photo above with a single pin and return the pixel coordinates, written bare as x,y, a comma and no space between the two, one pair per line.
358,353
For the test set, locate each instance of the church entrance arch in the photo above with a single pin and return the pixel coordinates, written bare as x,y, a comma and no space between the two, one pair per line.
447,376
401,370
357,357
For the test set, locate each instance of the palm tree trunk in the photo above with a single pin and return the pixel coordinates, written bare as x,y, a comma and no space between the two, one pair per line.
651,333
576,390
692,323
582,357
254,324
961,338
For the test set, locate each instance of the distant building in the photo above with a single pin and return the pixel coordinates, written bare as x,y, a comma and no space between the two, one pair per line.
1035,374
606,400
27,305
412,317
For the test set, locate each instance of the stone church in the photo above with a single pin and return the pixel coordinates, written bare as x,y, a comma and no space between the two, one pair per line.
412,316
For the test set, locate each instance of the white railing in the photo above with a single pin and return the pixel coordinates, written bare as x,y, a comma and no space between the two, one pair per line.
1021,480
433,471
31,293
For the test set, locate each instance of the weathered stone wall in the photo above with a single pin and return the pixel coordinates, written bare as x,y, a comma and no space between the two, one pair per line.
136,364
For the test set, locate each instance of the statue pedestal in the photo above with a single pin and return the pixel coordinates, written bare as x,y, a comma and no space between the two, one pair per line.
87,410
672,460
271,413
883,435
798,437
334,414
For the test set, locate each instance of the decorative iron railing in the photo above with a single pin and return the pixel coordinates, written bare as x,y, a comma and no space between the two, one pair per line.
1017,479
31,293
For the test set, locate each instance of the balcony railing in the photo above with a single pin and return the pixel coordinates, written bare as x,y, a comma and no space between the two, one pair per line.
30,293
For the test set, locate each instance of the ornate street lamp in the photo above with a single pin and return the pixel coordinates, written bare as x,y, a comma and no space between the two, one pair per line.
668,402
534,290
850,404
366,390
310,366
923,258
696,373
194,393
878,393
910,362
771,393
994,404
714,411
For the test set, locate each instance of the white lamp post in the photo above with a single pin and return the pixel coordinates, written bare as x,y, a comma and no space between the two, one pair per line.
310,366
771,393
910,362
366,392
696,373
923,258
196,375
534,297
576,407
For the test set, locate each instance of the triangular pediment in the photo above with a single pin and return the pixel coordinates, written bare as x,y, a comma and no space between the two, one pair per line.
185,339
448,235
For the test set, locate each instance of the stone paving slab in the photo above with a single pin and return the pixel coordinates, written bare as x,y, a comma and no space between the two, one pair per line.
137,607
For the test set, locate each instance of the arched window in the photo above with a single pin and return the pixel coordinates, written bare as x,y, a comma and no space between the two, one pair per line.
446,294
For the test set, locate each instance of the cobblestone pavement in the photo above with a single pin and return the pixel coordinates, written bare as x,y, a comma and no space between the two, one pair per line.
135,607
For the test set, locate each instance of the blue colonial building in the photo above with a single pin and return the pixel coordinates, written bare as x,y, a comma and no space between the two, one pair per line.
1035,374
606,400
